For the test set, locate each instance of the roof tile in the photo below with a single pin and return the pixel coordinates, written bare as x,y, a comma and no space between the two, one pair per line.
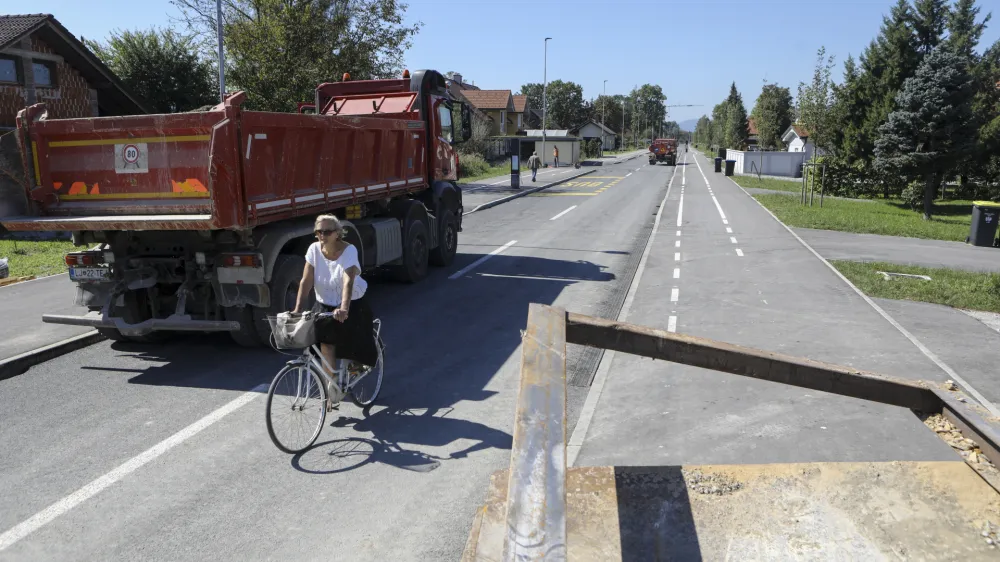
488,99
520,102
13,27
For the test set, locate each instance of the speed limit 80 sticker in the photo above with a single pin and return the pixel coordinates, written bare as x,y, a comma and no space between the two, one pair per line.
131,158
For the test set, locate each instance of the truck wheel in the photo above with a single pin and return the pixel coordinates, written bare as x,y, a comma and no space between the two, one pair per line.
444,254
247,335
284,288
415,256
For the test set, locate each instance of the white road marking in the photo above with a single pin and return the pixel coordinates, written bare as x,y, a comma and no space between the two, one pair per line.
674,293
739,252
677,244
680,210
563,213
601,377
702,172
724,221
476,263
677,256
719,207
672,324
95,487
729,230
732,239
628,174
678,233
677,273
992,408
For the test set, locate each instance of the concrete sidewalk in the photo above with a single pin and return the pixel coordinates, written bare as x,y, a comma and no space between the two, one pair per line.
617,159
835,245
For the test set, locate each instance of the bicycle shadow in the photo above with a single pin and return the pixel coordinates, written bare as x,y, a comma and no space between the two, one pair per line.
388,428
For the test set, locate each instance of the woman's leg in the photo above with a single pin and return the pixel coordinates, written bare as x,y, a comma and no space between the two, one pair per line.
327,350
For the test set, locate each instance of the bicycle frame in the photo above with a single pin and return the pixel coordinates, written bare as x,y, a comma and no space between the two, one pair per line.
314,359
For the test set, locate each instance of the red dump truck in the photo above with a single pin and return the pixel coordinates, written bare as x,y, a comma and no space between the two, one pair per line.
199,221
663,150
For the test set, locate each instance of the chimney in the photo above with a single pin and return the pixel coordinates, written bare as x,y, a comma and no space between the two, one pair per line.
456,77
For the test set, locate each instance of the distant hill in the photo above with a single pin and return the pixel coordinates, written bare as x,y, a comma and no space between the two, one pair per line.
688,125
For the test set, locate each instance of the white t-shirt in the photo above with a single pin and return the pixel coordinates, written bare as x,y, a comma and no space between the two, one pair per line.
329,274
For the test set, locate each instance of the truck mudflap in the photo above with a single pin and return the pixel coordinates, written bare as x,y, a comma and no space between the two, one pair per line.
174,322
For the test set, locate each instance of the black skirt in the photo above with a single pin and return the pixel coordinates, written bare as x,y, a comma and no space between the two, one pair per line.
354,338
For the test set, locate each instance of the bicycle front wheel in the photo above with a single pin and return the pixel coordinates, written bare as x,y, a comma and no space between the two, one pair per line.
296,408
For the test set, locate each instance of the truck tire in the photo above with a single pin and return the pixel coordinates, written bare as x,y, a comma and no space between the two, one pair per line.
447,247
247,335
284,287
415,254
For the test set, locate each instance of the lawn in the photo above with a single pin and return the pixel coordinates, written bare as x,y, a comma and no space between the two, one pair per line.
960,289
491,172
892,218
38,258
770,183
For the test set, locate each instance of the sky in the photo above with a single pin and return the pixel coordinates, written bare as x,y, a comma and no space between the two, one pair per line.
694,49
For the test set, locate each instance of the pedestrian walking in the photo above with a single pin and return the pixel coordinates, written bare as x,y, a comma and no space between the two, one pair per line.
534,162
555,153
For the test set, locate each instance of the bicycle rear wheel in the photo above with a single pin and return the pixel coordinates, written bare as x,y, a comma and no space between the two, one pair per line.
296,408
366,390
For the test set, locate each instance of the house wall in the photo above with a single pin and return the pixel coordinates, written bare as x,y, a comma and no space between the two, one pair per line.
71,97
783,164
797,145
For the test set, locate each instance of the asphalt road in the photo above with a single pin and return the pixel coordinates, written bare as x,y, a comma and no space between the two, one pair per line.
22,329
721,267
125,452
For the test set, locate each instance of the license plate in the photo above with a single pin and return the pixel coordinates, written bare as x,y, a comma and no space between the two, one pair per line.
89,273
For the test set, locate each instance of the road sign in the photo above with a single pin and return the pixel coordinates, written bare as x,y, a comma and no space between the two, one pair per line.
131,158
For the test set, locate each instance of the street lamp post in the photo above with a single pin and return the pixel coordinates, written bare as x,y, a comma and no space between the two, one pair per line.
545,85
222,61
623,124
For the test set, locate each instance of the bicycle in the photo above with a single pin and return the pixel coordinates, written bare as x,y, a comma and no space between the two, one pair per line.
305,391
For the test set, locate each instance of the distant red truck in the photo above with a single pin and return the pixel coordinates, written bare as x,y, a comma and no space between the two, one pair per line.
199,221
663,150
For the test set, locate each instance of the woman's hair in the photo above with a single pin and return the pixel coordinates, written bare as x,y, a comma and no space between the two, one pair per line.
333,220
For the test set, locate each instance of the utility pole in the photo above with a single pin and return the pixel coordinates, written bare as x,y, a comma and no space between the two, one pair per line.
623,124
604,101
545,85
222,60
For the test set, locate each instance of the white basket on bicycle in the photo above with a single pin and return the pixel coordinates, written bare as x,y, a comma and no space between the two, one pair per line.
293,331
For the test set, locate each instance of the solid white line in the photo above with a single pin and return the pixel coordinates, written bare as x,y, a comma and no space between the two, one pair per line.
992,408
563,213
62,506
732,239
680,210
702,172
476,263
672,324
677,256
729,230
601,377
739,252
677,273
674,294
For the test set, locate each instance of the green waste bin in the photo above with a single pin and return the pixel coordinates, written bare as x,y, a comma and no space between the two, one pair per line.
983,231
730,167
718,164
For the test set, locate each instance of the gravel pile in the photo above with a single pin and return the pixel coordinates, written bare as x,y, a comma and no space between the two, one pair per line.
713,484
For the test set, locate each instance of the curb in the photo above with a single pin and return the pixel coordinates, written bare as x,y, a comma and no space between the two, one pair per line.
18,364
495,202
14,280
596,163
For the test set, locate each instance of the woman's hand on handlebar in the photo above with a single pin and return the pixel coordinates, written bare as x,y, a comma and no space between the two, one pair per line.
340,314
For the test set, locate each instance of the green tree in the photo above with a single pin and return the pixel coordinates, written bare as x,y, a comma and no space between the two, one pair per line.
161,66
703,130
986,111
964,31
735,132
931,130
815,103
929,20
565,104
719,114
278,51
772,114
534,93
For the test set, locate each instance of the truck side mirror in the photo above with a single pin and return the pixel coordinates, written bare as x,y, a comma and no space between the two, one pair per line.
466,122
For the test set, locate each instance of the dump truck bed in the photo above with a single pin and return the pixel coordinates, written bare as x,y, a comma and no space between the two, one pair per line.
219,169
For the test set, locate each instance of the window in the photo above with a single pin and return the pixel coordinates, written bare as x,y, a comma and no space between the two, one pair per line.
8,69
520,121
503,122
444,116
45,74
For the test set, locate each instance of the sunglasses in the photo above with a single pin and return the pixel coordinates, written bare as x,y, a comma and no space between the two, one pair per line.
326,232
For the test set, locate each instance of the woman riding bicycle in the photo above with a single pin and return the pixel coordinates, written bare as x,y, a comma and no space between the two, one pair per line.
333,270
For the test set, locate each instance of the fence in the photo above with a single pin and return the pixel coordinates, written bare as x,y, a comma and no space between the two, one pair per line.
785,164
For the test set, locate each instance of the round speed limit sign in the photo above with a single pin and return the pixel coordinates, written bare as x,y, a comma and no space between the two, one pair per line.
130,153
